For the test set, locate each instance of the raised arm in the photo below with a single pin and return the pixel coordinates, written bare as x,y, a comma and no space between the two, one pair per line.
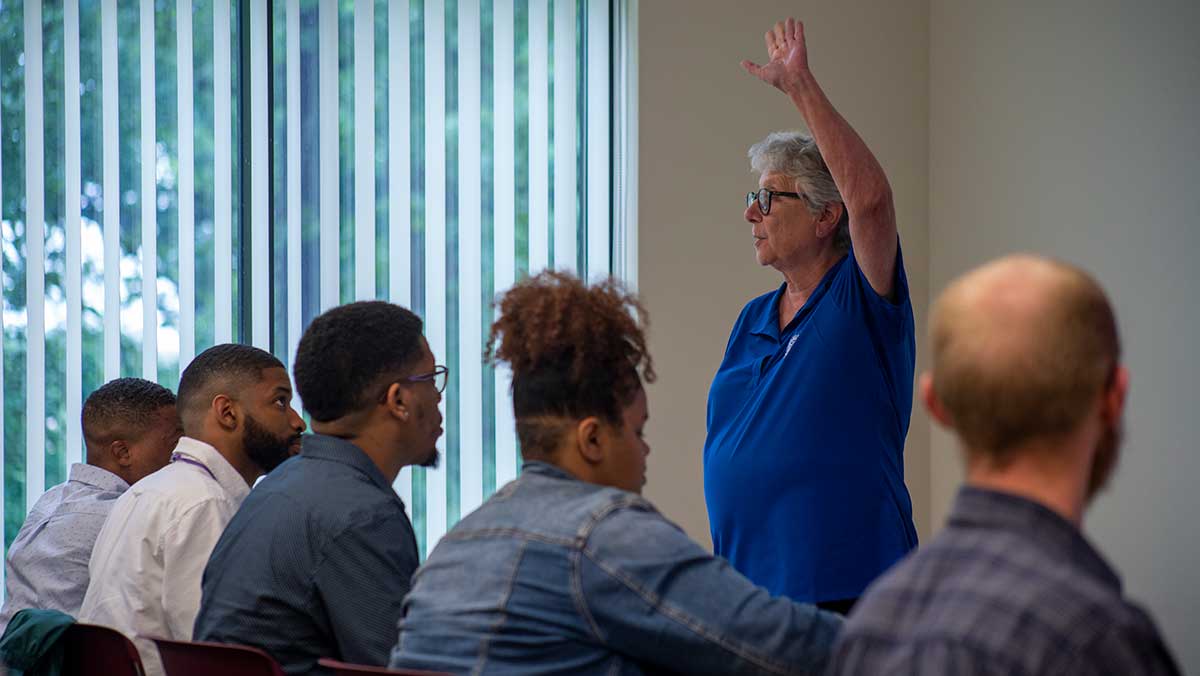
859,178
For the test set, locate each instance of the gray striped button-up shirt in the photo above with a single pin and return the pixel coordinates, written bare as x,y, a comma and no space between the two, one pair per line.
47,563
1008,587
315,564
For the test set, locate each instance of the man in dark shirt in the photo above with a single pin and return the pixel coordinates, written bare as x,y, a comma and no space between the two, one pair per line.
1027,373
318,559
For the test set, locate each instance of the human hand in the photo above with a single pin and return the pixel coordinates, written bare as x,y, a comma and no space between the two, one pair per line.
787,55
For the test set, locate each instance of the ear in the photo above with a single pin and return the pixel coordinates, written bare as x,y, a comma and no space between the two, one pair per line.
226,412
589,440
1113,404
934,405
828,220
396,401
121,453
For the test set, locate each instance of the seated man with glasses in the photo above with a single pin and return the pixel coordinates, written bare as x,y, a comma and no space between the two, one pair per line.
318,559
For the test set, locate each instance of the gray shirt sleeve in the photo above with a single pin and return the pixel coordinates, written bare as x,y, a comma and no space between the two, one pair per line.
48,564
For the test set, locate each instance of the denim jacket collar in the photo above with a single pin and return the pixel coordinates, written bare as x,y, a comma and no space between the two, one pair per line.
547,469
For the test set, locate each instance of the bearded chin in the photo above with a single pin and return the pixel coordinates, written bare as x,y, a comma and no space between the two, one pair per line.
433,460
265,449
1104,462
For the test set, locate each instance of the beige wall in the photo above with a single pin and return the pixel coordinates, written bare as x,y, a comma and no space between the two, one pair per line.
699,112
1071,128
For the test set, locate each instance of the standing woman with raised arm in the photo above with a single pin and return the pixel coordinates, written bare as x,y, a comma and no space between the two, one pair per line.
807,414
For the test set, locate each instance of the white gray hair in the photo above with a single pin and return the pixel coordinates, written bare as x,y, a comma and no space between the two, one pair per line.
795,155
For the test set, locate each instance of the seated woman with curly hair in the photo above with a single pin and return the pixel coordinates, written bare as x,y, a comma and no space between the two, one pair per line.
568,569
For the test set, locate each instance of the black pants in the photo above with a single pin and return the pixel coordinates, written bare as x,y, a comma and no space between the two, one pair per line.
841,606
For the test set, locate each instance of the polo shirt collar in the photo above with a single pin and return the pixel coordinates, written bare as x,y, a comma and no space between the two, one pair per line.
982,508
207,455
97,477
325,447
767,322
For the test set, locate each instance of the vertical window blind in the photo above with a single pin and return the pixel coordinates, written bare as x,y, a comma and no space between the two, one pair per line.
180,173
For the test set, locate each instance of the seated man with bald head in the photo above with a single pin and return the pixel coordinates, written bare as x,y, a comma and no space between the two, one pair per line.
238,423
1027,374
130,426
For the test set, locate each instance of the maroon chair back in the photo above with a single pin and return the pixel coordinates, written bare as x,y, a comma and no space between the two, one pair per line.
93,649
201,658
347,669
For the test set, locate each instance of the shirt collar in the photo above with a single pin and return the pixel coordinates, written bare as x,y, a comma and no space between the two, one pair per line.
767,323
97,477
547,469
982,508
207,455
339,450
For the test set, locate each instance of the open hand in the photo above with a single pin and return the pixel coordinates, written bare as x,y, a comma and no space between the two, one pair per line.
787,54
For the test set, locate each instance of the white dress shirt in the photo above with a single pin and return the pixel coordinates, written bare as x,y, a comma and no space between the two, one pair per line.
146,566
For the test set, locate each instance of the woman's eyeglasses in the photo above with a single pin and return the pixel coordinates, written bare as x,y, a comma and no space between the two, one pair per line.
763,197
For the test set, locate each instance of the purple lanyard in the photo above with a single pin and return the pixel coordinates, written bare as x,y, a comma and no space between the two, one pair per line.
183,458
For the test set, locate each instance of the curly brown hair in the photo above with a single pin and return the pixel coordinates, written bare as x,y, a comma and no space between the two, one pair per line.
575,351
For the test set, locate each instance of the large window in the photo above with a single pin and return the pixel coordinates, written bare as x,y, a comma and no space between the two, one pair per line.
178,173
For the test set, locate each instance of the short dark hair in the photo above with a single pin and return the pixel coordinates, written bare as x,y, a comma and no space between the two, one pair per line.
221,369
575,351
122,409
349,351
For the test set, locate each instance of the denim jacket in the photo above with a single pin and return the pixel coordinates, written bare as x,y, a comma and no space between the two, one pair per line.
553,575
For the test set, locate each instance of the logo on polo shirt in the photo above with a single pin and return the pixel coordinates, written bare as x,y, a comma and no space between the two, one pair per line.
790,344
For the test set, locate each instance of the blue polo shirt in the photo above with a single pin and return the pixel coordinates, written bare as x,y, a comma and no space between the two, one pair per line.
803,463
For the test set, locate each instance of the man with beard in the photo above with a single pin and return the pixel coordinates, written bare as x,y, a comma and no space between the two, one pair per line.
1027,374
318,559
238,423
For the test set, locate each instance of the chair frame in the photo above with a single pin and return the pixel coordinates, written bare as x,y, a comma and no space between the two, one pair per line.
79,652
254,661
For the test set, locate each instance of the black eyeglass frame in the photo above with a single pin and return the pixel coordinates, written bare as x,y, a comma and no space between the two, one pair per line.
439,372
764,205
